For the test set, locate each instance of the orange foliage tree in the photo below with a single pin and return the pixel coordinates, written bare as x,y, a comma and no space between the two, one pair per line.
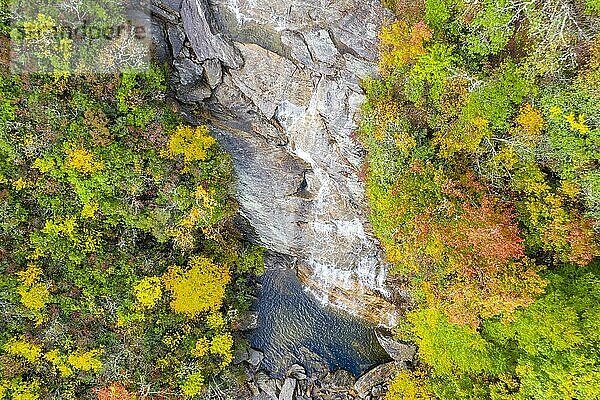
115,391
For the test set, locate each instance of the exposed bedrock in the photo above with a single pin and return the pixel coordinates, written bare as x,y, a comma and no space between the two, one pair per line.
279,82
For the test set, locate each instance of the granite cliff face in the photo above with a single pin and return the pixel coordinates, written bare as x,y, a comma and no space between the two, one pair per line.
279,83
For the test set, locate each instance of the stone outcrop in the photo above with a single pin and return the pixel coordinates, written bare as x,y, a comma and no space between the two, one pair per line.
376,378
280,84
397,350
206,44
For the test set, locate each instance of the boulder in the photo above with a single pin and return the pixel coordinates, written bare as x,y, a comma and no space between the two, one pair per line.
397,350
298,48
297,371
342,379
167,10
321,47
176,38
315,365
213,72
376,376
265,384
191,94
206,44
255,357
287,390
189,71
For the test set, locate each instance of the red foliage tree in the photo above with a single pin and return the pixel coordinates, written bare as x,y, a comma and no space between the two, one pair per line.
485,237
115,391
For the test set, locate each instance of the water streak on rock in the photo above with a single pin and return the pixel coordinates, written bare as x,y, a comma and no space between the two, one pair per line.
280,83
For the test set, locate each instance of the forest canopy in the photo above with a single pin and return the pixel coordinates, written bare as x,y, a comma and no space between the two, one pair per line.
483,178
120,272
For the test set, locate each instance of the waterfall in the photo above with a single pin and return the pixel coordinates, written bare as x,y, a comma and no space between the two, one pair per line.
280,84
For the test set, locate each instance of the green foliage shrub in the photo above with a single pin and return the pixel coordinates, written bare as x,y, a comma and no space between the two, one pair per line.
5,17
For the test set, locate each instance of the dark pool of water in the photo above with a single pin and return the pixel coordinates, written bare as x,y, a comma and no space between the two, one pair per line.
290,319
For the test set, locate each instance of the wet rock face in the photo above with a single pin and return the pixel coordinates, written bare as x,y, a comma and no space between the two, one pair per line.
279,82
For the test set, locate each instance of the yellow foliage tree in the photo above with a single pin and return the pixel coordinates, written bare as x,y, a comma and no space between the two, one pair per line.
201,348
577,124
190,142
193,384
43,165
530,119
59,361
198,289
221,345
22,348
38,28
86,361
89,209
60,226
407,386
34,297
148,291
402,44
215,321
21,184
83,161
20,390
31,275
